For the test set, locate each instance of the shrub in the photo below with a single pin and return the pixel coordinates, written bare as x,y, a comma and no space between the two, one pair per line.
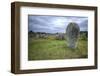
83,36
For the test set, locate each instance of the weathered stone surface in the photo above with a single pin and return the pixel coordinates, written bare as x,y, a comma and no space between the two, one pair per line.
72,33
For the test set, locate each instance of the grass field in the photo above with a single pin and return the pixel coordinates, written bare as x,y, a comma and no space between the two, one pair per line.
47,49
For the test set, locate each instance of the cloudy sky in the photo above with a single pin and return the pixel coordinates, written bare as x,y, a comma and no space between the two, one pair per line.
54,24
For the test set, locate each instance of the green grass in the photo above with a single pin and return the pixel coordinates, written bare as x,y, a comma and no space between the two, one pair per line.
46,49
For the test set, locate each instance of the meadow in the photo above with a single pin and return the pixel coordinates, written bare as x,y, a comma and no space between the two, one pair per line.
48,49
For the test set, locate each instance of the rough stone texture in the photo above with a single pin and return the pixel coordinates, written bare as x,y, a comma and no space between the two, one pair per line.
72,33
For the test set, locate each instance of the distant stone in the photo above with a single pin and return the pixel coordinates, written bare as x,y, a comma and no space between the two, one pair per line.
60,36
72,33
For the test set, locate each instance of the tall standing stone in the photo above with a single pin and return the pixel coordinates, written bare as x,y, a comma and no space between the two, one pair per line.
72,33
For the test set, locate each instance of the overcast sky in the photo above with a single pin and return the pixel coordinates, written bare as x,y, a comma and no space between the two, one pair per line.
54,24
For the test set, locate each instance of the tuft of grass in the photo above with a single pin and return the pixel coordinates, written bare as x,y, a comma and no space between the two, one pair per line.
47,49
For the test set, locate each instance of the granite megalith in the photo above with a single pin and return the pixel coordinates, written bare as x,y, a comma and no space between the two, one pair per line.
72,33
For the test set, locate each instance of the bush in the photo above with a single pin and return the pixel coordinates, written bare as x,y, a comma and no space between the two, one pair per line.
83,36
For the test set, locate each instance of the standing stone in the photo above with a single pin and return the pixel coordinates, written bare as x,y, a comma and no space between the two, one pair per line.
72,33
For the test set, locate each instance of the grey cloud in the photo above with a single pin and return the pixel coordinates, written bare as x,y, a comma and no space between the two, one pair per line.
53,24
